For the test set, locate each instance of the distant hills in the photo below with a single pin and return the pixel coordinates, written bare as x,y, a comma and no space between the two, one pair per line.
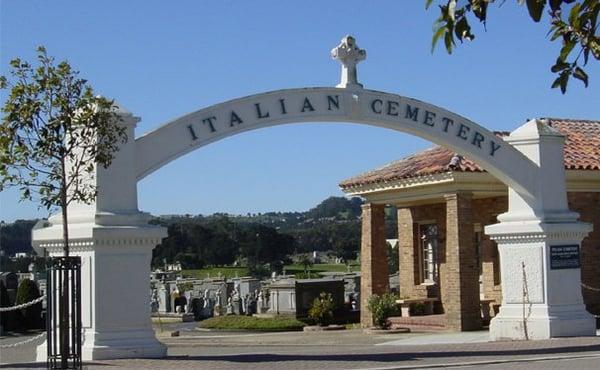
16,237
332,209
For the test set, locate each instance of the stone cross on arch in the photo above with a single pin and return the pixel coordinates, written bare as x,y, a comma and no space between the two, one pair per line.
349,54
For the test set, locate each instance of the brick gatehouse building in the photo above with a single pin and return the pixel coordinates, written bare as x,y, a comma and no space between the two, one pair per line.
443,202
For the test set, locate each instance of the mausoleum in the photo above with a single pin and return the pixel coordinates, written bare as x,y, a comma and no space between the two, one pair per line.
444,200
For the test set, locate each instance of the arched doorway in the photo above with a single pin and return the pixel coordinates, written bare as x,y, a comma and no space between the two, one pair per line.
115,241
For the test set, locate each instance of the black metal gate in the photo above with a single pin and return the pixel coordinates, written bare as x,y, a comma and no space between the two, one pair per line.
64,313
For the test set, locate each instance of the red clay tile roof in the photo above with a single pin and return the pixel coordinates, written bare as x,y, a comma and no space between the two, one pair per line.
582,152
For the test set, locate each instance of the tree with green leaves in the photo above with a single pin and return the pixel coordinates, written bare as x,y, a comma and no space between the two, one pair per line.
573,23
16,237
54,131
262,245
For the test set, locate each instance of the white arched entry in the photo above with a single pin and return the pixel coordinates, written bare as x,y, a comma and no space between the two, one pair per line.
115,241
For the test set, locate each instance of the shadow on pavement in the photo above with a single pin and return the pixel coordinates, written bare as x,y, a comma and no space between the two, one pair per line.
349,357
384,357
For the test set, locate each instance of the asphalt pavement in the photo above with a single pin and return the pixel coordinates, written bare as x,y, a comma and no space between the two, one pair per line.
349,349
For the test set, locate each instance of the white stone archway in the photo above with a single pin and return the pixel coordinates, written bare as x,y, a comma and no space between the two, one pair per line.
115,241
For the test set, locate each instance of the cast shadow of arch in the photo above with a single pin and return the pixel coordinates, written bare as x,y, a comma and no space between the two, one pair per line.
349,357
385,357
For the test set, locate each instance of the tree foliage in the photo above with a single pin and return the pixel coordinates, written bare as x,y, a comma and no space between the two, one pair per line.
345,240
260,245
217,241
573,23
16,237
336,207
54,131
393,258
196,245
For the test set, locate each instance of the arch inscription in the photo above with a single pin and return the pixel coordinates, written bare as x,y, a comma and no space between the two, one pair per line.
325,104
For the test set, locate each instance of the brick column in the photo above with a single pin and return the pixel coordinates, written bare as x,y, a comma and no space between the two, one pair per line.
461,288
374,277
586,204
406,244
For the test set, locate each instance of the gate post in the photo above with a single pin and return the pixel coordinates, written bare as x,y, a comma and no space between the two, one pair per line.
539,241
114,241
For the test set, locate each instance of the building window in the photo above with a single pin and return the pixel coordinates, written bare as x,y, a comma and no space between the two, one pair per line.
428,239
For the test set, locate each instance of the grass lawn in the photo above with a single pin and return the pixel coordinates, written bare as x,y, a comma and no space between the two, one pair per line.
235,322
231,272
320,267
228,272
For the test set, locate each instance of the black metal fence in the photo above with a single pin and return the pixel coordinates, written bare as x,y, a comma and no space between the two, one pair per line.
64,313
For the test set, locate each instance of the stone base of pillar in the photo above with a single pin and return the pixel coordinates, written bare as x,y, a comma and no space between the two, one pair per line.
115,290
541,291
542,323
142,344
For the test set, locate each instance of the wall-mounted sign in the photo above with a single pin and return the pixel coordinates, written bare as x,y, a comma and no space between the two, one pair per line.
564,257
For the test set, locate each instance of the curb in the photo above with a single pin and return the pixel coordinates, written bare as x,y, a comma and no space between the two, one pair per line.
373,331
315,328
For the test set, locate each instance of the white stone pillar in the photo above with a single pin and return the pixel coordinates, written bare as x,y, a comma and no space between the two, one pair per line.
539,241
115,242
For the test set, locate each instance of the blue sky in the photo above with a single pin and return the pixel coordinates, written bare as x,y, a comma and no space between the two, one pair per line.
164,59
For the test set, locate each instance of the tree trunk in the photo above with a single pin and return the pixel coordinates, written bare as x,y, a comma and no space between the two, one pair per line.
64,291
63,206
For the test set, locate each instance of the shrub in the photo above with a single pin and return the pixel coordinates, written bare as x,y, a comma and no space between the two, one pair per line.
381,308
236,322
322,309
27,292
417,309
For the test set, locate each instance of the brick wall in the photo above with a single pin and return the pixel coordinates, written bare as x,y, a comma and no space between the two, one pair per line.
588,207
484,212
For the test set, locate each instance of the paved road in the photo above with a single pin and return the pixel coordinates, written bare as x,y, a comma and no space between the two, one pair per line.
349,350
